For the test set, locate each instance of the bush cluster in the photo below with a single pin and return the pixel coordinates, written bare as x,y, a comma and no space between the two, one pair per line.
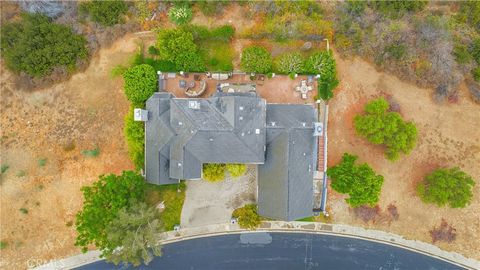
135,136
177,46
379,126
247,216
140,84
358,181
447,186
256,59
324,64
215,172
106,13
36,45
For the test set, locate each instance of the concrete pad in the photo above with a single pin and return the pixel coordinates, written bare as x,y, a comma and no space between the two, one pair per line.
211,203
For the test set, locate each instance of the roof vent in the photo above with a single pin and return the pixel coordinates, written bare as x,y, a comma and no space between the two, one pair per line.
273,124
243,134
210,139
257,131
318,131
240,108
180,123
303,124
179,164
193,104
140,115
240,118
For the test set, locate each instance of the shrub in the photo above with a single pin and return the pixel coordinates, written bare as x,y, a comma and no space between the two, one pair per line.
3,245
180,13
358,181
396,9
24,210
177,46
102,202
236,170
152,50
4,168
212,7
117,71
475,50
324,64
462,56
140,83
247,216
443,233
42,162
366,213
476,74
37,46
256,59
135,136
106,13
290,63
393,211
396,50
135,234
470,13
388,128
91,152
447,186
223,33
213,172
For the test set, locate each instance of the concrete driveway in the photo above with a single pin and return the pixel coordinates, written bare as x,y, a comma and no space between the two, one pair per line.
211,203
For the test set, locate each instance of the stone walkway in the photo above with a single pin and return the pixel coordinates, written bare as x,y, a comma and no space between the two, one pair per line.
280,226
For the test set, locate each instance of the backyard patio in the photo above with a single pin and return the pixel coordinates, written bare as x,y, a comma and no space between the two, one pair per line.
279,89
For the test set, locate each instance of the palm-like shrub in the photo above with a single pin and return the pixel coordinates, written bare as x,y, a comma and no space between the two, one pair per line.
180,13
290,63
256,59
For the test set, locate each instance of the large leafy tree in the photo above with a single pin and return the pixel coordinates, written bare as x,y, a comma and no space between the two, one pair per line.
35,45
388,128
324,64
177,46
447,186
140,83
102,202
256,59
358,181
135,234
106,13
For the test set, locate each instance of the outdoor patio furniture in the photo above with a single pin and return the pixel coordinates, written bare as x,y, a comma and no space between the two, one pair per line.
192,92
191,84
182,84
220,76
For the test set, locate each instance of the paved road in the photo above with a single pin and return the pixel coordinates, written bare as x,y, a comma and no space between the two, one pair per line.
284,251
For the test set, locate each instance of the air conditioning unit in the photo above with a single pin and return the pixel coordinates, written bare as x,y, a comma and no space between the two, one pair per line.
140,115
318,131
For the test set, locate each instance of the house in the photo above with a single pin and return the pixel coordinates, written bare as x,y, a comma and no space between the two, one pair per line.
183,133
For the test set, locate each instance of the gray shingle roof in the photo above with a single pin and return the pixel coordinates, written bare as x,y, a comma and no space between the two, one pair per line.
235,128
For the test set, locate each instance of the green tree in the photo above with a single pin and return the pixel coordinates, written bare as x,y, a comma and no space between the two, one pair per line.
358,181
236,170
140,83
135,136
475,50
447,186
247,216
134,233
213,172
180,13
106,13
102,201
35,45
177,46
379,126
324,64
256,59
290,63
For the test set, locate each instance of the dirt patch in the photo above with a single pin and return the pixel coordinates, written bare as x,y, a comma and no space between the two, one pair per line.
447,136
42,136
